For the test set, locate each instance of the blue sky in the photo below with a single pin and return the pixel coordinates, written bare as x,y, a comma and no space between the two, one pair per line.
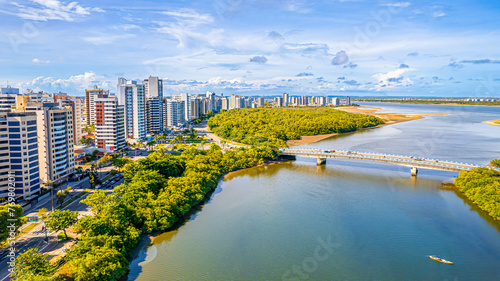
255,47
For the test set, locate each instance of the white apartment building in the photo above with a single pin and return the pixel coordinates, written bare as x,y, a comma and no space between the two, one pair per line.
8,98
76,105
175,113
110,124
55,141
187,104
335,101
90,97
132,96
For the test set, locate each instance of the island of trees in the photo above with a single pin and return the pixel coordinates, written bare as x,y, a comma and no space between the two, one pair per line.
482,186
160,190
274,126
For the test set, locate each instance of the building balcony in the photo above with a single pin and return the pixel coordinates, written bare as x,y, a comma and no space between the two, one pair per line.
59,142
59,127
61,162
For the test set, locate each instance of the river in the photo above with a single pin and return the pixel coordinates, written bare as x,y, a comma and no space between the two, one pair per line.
348,220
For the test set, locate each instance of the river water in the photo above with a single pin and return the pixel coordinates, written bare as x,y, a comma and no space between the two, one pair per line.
348,220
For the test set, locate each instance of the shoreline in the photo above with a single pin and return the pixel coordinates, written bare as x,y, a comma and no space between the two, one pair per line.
389,119
444,103
493,122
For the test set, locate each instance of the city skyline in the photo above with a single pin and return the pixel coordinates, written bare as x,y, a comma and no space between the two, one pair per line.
345,47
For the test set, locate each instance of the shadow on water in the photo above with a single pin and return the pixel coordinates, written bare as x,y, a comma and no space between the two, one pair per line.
473,207
150,240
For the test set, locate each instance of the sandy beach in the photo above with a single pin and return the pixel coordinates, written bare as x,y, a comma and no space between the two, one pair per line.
493,122
389,118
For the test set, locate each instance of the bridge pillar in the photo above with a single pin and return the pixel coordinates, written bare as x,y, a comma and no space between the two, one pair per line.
414,171
321,161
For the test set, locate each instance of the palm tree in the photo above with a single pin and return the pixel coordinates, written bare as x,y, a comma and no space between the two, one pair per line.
150,144
160,138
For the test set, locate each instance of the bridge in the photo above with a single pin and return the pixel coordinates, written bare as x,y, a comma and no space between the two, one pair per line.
414,163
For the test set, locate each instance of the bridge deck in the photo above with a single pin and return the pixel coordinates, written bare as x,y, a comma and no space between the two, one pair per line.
408,161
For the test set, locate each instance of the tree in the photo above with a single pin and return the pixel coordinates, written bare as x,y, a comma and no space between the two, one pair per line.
60,195
60,220
160,138
119,163
177,138
495,163
150,144
192,136
86,141
94,176
100,263
6,212
31,264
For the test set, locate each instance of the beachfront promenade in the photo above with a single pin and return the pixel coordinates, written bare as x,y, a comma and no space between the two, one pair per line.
414,163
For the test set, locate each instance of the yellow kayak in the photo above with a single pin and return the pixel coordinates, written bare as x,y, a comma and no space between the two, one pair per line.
440,260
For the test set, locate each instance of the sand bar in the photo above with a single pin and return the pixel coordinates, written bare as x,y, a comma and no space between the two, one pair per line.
493,122
389,118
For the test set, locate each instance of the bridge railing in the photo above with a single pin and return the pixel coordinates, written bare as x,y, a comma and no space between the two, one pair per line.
383,156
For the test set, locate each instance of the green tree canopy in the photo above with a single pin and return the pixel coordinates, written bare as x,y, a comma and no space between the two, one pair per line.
60,220
274,126
32,265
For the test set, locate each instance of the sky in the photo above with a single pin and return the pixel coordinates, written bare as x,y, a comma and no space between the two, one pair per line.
255,47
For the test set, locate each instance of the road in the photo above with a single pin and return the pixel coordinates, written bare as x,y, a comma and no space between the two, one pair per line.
35,237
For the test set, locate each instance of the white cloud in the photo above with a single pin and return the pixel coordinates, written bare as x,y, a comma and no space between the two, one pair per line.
107,39
73,85
35,60
398,4
44,10
438,14
392,79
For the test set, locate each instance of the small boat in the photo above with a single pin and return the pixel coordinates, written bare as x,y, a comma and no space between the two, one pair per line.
440,260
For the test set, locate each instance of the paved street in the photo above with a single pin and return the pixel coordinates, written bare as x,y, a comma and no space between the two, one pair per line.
35,238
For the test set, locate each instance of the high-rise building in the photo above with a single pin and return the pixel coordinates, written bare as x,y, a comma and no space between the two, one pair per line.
195,108
186,99
90,97
154,115
285,99
153,88
260,101
19,153
278,101
8,98
55,140
238,101
232,102
225,103
131,95
175,113
347,101
110,124
322,101
76,105
335,101
165,123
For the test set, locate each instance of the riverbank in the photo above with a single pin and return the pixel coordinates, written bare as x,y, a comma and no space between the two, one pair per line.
389,119
493,122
